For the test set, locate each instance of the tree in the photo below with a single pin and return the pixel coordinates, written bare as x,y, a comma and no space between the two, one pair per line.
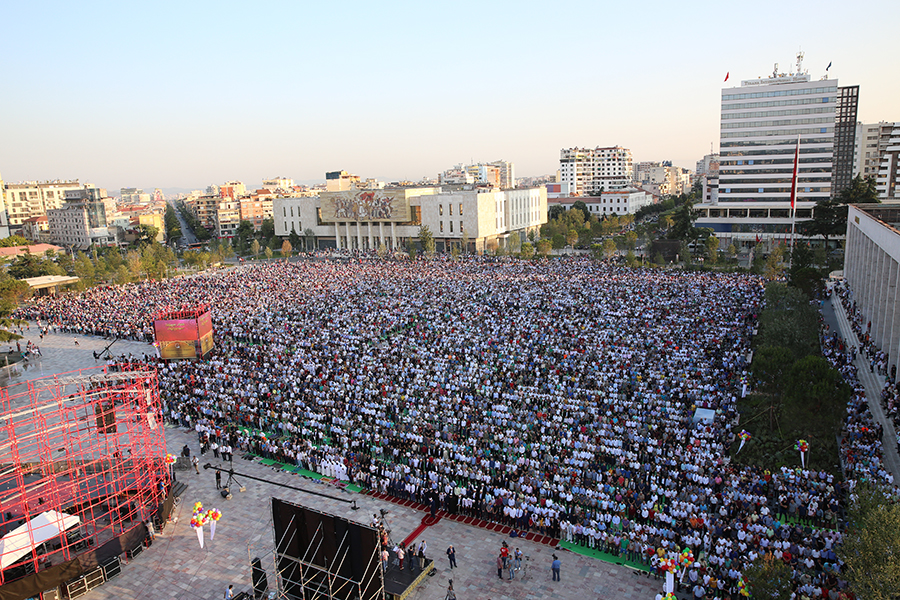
712,248
558,241
426,239
731,251
14,240
775,263
631,259
243,234
544,246
571,237
28,265
768,578
286,249
254,248
310,239
683,223
294,239
609,248
582,208
555,211
12,291
267,229
465,240
269,252
527,251
830,214
84,269
133,261
630,240
871,545
146,234
860,191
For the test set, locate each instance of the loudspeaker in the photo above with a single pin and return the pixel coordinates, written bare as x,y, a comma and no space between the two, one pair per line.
51,594
111,568
260,579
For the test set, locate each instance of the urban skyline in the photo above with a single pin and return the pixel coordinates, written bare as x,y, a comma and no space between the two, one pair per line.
159,96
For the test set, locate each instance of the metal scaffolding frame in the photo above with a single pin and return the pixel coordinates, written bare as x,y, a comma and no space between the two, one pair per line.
88,444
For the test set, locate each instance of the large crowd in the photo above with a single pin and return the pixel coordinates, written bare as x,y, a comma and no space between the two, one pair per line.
556,397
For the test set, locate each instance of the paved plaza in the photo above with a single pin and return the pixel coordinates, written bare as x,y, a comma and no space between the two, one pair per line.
176,567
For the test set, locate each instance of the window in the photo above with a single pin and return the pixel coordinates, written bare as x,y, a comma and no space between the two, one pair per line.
451,211
460,209
441,209
461,226
451,222
442,227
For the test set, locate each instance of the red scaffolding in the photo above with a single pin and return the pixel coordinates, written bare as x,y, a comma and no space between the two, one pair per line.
82,462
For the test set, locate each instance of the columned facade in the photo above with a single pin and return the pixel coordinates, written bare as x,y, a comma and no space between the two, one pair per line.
872,270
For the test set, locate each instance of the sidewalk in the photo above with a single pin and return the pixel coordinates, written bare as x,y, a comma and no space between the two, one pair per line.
873,384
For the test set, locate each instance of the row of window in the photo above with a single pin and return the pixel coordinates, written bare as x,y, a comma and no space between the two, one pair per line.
793,92
450,207
791,132
777,123
787,160
785,190
461,228
794,102
805,143
786,171
785,179
778,113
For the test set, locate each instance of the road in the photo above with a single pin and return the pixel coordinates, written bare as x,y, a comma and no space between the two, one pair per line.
187,234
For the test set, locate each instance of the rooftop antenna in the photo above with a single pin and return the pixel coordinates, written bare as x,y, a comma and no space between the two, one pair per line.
775,71
800,63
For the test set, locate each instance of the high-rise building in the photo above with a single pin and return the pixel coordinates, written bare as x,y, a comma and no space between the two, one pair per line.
888,181
871,142
761,123
81,221
844,138
590,171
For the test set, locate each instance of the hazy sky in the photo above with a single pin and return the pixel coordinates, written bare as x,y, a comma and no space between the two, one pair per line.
188,93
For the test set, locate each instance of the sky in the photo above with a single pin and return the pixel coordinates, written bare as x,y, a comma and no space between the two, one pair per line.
186,94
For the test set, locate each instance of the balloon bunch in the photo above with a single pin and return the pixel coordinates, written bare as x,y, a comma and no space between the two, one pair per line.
803,447
686,558
198,518
213,515
668,564
170,459
670,596
742,588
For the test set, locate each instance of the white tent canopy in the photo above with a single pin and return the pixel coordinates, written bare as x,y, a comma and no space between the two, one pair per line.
46,526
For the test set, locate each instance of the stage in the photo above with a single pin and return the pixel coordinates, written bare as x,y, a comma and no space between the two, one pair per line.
400,584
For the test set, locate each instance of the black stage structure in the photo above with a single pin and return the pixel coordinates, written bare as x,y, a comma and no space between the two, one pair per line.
321,556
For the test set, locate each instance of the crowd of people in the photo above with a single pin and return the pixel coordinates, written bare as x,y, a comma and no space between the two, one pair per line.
556,397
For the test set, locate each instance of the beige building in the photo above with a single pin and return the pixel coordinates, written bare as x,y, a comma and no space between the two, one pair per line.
364,220
35,198
872,140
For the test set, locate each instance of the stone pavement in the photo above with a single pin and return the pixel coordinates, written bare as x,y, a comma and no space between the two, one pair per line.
176,568
874,383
